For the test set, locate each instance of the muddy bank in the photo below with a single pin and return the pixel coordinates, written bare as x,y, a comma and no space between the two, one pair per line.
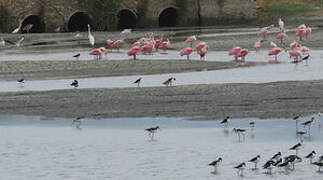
283,99
33,70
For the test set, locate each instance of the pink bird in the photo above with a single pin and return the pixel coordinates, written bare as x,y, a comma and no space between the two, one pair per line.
200,46
110,43
234,52
133,52
147,48
202,53
137,43
281,25
295,54
116,44
243,53
274,52
157,43
191,40
305,49
308,32
164,45
281,36
302,26
97,53
257,46
2,43
186,52
300,33
293,45
264,30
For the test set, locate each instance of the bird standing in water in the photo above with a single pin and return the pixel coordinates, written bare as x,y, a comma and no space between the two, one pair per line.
255,160
75,83
90,36
138,81
216,164
240,168
152,132
169,81
78,122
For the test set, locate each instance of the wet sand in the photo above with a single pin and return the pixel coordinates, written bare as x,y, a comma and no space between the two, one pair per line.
270,100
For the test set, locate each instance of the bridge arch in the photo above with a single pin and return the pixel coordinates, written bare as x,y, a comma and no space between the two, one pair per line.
78,22
127,19
33,24
168,17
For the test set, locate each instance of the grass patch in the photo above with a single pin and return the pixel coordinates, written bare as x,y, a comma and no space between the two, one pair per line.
289,9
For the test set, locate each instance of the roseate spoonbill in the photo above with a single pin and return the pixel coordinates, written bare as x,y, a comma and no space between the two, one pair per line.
281,36
257,46
202,52
295,54
164,45
300,33
302,26
294,45
274,52
109,43
116,44
75,83
234,52
133,52
200,46
243,53
137,43
308,32
157,44
126,33
187,52
138,81
281,25
90,36
97,53
147,48
191,40
2,43
264,30
169,81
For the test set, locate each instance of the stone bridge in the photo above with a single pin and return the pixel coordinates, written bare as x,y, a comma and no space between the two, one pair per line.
74,15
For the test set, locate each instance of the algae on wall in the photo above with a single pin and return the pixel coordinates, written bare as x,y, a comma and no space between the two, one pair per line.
5,18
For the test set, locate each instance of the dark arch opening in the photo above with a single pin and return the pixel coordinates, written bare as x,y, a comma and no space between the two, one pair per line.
168,17
33,24
126,19
78,22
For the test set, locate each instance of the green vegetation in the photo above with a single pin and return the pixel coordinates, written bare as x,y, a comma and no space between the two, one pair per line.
104,14
289,9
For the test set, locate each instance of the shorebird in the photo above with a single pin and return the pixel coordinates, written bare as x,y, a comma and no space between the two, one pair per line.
277,156
22,80
255,160
19,42
252,125
216,164
75,83
152,131
138,81
292,159
320,159
239,132
169,81
309,124
296,147
240,168
278,162
305,58
226,121
296,118
269,166
285,165
301,135
78,122
311,156
319,164
77,56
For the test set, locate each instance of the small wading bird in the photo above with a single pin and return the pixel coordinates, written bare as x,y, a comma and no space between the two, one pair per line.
169,81
21,81
269,165
77,56
240,168
239,132
226,121
319,165
78,122
296,118
292,159
216,164
152,131
296,147
255,160
2,42
75,83
311,156
138,81
301,135
309,124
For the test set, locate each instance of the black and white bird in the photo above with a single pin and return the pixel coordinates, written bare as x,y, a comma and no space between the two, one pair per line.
138,81
292,159
296,147
240,168
269,165
320,159
216,164
255,160
78,122
311,156
240,132
309,124
226,121
169,81
277,156
75,83
319,165
152,131
296,118
305,58
285,165
22,80
19,42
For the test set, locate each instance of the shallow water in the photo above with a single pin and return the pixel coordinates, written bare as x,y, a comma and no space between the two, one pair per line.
51,148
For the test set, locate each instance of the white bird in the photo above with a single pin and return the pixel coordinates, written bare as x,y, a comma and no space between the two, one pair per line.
281,25
273,44
126,33
15,31
18,43
91,37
